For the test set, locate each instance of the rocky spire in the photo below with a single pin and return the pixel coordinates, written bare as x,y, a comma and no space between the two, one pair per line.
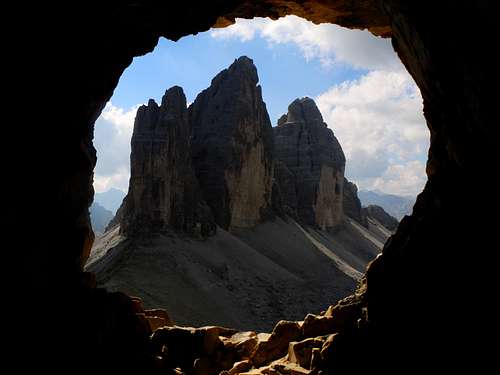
163,191
310,166
232,146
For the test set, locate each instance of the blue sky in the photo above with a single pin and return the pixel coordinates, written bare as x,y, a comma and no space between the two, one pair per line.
363,91
193,61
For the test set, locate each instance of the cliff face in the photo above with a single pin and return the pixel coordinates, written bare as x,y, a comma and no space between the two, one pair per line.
352,204
310,166
232,146
163,191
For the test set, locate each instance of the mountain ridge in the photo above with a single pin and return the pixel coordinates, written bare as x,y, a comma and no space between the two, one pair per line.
224,210
396,205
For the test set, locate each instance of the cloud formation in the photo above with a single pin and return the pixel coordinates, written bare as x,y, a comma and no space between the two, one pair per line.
379,122
112,134
378,118
331,44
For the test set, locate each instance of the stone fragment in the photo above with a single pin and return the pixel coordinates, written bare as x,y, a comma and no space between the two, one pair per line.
301,352
238,368
276,344
244,343
160,313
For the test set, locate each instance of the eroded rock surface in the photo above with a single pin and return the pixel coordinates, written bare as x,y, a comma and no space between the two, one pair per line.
293,347
232,146
310,166
163,191
352,204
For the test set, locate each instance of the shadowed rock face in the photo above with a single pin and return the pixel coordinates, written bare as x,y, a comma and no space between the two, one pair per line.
379,214
163,190
232,146
352,204
310,167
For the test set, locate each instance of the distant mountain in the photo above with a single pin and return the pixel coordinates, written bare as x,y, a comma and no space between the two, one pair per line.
110,200
395,205
100,217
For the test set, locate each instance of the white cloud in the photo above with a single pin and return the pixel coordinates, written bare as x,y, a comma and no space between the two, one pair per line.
118,180
379,122
112,134
329,43
402,179
377,118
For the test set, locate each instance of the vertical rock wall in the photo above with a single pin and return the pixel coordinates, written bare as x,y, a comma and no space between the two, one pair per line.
352,204
232,146
163,190
310,166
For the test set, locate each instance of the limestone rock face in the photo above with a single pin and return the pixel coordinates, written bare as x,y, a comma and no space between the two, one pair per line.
163,190
379,214
232,146
310,166
352,204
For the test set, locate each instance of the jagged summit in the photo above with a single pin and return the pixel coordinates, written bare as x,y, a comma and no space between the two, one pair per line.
304,110
310,167
243,66
174,100
163,191
232,146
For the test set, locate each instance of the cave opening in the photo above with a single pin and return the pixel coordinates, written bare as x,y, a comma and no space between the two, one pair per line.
290,256
430,289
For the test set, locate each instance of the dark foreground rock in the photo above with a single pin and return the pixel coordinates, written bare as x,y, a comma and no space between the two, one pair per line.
293,347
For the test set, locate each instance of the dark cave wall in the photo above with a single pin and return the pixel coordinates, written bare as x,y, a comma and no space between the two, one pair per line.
415,290
443,237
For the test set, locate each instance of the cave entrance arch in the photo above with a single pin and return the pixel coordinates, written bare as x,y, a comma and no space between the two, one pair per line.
460,116
310,221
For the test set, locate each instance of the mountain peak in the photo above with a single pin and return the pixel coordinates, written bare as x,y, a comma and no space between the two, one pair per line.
311,168
174,97
232,146
244,65
304,110
242,70
173,104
